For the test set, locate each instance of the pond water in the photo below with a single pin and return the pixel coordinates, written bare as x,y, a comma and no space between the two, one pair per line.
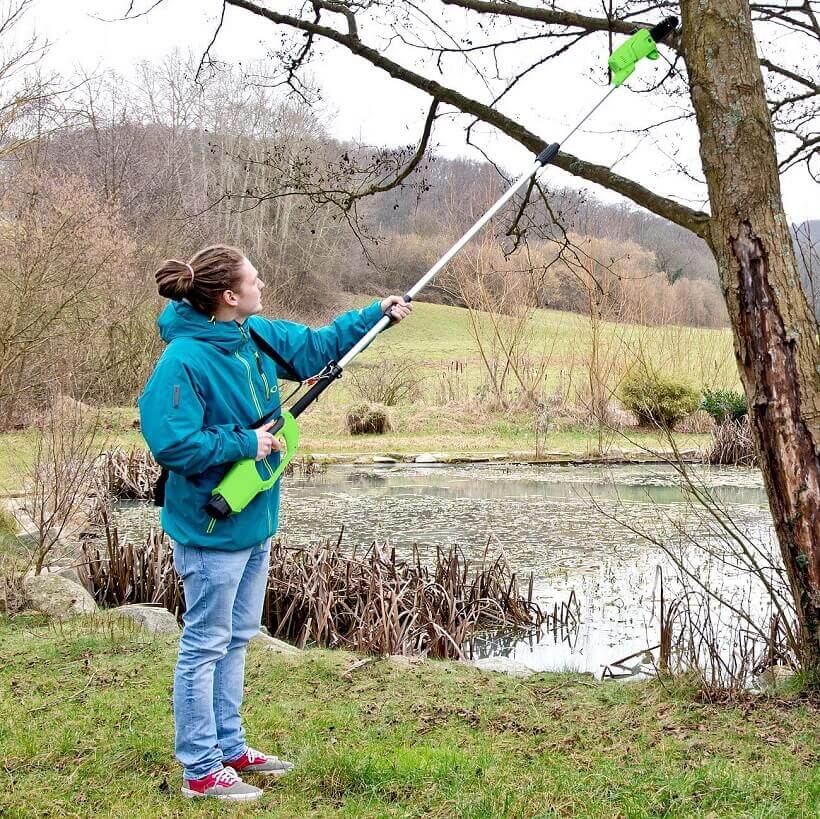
575,528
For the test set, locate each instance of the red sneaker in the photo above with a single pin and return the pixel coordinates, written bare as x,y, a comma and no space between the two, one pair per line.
255,762
223,784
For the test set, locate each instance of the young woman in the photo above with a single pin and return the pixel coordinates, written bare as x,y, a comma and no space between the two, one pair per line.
208,388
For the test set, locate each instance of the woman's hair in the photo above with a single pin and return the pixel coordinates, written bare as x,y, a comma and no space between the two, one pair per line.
202,280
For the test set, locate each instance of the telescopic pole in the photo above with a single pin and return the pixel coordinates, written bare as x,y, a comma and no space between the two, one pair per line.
243,480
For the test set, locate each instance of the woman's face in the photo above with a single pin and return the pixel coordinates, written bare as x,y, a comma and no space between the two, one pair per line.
248,293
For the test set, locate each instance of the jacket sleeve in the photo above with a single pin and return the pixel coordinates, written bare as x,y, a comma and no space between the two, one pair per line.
171,418
306,350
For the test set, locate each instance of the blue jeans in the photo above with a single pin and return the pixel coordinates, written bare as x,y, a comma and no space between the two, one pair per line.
224,595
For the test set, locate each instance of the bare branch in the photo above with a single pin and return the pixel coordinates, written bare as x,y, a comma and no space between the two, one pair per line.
695,221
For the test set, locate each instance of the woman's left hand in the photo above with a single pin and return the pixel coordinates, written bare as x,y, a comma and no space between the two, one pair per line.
396,307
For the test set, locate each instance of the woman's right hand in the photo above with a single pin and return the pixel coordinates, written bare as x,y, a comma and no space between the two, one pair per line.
265,441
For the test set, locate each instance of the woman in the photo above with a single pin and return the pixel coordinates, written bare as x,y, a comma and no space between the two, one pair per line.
197,411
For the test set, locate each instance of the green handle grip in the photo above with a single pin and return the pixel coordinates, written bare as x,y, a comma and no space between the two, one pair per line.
243,483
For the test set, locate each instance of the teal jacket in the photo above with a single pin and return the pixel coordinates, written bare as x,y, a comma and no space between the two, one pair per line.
209,387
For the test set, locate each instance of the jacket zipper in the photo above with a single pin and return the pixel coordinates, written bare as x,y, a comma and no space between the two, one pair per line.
262,374
255,401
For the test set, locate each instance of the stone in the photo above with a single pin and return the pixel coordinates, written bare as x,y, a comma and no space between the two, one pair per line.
27,531
57,596
68,572
774,679
384,459
431,458
272,644
504,665
156,619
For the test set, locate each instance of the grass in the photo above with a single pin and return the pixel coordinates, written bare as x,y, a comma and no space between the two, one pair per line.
86,729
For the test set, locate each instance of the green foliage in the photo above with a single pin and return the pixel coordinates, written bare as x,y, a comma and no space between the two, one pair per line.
725,405
657,400
8,523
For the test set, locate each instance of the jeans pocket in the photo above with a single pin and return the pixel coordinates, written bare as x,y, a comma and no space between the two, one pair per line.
179,557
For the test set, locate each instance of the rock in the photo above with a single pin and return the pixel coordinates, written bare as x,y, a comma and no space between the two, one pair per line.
57,596
504,665
615,452
274,645
384,459
431,458
156,619
27,531
68,572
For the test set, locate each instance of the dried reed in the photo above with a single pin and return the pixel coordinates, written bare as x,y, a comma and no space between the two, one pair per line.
375,603
732,445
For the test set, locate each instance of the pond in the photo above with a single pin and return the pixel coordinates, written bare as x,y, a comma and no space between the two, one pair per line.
575,528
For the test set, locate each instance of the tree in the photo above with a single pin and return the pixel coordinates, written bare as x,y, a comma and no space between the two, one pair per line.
775,336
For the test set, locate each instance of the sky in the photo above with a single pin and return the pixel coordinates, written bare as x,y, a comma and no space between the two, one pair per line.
365,104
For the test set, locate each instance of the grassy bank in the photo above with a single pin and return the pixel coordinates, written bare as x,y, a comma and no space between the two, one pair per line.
86,729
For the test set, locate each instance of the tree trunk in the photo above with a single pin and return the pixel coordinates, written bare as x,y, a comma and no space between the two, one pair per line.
775,336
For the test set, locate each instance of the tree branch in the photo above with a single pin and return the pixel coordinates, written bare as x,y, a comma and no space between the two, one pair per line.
696,221
790,74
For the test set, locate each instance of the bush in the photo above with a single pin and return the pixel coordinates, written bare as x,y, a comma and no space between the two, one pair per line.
8,523
656,400
388,382
367,418
725,405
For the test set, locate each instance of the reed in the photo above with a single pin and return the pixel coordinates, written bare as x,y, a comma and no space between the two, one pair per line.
117,571
732,444
374,602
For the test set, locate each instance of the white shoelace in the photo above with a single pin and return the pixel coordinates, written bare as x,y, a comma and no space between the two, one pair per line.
255,756
227,776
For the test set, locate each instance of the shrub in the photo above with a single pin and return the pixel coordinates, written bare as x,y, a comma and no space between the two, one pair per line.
725,405
387,382
8,523
655,399
367,418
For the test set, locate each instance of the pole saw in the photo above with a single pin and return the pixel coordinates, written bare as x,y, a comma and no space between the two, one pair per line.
243,482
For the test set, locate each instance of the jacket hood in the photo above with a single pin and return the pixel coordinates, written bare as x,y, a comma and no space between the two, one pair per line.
180,320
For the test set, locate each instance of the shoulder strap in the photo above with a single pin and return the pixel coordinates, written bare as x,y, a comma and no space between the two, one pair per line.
285,369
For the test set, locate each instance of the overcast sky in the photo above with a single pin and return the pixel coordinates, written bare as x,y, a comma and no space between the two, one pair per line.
365,104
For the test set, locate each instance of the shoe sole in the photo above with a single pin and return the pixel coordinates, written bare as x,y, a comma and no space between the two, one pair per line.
227,797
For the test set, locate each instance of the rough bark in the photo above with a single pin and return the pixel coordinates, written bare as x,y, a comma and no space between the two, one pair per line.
776,343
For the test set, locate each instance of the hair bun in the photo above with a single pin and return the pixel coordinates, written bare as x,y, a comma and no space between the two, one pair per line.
175,279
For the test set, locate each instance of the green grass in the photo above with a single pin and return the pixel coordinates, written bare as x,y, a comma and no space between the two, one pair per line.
86,729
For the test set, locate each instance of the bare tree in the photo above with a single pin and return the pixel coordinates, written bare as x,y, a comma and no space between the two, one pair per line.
60,475
737,113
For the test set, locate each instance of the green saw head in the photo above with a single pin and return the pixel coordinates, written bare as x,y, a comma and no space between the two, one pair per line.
641,44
